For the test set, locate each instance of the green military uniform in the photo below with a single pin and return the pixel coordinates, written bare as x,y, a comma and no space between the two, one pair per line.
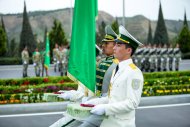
25,61
62,61
100,71
42,56
36,62
55,57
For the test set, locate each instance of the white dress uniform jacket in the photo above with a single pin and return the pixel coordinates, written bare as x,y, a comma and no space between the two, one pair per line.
125,94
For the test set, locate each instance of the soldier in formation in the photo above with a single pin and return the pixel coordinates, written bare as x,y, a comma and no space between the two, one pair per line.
177,57
62,60
25,61
151,58
55,56
36,62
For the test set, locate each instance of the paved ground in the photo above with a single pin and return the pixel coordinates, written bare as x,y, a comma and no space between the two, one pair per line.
15,71
165,116
162,111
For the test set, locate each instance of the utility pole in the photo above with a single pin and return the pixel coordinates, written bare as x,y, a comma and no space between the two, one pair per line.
124,13
71,17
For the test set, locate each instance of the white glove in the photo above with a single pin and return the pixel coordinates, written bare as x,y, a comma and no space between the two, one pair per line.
85,99
25,62
61,91
34,64
67,94
99,109
92,101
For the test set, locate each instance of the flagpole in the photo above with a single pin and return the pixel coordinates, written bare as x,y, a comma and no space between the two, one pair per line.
99,48
124,13
71,15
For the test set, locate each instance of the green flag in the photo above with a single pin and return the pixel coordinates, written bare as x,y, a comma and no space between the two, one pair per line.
47,53
82,61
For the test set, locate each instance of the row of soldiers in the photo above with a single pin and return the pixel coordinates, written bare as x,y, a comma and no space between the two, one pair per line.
60,60
157,58
38,59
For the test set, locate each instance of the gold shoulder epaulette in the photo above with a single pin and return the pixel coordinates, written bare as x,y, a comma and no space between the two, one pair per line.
116,61
133,66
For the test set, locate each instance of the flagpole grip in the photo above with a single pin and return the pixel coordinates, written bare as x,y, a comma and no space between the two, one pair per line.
98,48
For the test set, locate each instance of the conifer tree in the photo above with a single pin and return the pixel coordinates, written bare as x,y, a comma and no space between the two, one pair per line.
6,41
13,48
161,35
184,37
149,38
185,20
26,37
115,26
2,42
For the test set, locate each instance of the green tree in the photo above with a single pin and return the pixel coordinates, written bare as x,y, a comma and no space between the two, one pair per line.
27,37
161,35
184,37
185,20
57,35
101,32
149,38
7,43
115,26
43,44
184,40
13,48
2,42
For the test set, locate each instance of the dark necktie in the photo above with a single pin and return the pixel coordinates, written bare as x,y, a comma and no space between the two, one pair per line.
117,68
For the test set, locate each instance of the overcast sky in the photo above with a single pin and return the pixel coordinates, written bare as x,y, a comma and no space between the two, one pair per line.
172,9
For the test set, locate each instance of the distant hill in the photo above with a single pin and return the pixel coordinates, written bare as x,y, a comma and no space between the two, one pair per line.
137,25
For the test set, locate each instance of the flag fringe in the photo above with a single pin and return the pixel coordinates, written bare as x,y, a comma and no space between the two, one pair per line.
87,92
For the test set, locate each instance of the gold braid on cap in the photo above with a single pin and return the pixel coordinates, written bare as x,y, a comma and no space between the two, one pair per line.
122,40
109,37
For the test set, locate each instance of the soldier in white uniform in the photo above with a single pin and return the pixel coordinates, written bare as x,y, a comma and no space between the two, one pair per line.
164,58
126,86
177,57
152,58
170,57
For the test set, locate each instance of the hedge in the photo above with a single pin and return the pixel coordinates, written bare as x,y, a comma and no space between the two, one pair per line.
34,81
155,84
152,75
166,90
41,88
